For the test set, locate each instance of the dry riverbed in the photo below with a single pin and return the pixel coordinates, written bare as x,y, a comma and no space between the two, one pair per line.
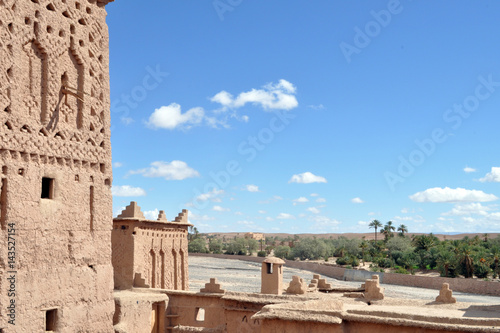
244,276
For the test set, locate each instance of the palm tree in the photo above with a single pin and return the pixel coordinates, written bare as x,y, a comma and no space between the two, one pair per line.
446,260
387,231
466,263
363,246
402,229
375,224
390,227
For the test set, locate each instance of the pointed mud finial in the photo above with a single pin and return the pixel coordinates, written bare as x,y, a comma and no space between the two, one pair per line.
132,211
162,217
212,287
182,217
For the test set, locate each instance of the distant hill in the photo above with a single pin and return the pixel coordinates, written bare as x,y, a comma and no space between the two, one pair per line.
367,235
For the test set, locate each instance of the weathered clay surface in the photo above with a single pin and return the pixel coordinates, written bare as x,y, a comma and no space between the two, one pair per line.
212,287
297,286
446,295
373,290
55,124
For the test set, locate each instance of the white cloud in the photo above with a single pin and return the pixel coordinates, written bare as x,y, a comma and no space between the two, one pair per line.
262,211
175,170
372,213
493,176
196,217
280,96
438,194
245,222
316,107
300,200
171,116
321,200
363,223
468,169
307,178
273,199
245,118
314,210
212,195
285,216
357,200
252,188
474,208
117,165
415,218
314,195
323,223
151,214
220,209
238,213
127,191
269,219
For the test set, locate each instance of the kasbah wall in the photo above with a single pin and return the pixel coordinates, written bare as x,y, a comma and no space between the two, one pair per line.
57,234
55,156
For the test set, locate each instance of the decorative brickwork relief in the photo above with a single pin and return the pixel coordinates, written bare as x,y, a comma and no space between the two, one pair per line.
55,157
160,256
55,97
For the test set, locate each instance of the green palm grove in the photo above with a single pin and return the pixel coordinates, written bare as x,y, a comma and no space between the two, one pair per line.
396,252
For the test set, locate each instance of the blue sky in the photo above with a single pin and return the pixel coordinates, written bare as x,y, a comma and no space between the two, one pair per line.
308,117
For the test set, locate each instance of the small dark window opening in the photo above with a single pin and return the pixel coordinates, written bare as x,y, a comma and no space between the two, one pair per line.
269,268
50,320
47,188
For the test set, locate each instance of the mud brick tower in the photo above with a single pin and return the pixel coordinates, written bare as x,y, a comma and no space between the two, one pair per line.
55,160
150,253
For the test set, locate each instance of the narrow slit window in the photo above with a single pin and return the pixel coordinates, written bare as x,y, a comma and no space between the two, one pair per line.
269,268
91,199
50,320
47,188
200,314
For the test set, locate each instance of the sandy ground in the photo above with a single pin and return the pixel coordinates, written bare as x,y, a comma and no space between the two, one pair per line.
243,276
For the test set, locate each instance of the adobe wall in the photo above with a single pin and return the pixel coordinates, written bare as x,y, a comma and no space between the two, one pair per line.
232,310
255,313
54,124
474,286
277,325
122,241
148,253
161,257
290,326
134,311
361,275
183,306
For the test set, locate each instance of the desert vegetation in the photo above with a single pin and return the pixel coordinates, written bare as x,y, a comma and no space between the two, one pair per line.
392,251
